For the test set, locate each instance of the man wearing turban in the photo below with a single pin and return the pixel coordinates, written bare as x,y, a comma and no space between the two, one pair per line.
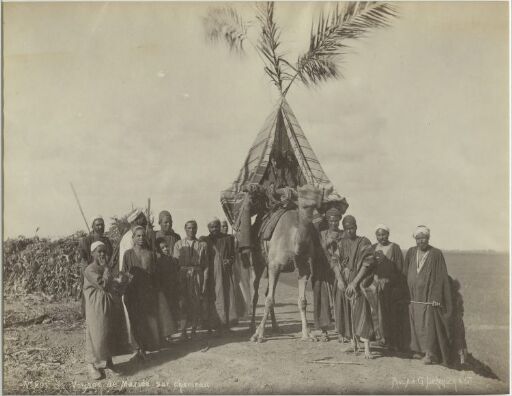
357,258
166,232
166,263
84,249
135,218
431,308
104,313
224,294
191,254
326,271
388,293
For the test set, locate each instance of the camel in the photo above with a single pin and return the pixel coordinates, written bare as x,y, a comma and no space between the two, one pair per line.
291,242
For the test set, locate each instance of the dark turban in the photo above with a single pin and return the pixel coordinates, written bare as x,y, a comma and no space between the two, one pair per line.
163,214
333,212
349,220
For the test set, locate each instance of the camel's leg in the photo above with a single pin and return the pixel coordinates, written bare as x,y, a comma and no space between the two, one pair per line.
256,273
367,351
245,281
273,276
275,326
303,303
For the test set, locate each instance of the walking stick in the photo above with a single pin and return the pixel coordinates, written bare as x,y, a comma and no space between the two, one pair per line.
80,207
148,229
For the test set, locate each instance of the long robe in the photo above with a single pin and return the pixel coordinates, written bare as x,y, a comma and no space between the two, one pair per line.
168,265
167,275
103,316
150,321
323,280
355,313
224,294
84,251
192,261
387,296
243,276
430,326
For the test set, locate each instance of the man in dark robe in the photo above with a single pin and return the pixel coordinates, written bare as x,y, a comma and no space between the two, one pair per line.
242,274
387,294
323,275
104,313
84,249
191,255
430,309
222,285
357,262
167,278
166,262
149,322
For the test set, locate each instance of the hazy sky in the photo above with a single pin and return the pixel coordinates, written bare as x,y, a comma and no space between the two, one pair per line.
128,101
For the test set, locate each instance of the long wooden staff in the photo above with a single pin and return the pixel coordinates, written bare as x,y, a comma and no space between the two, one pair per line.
149,234
80,207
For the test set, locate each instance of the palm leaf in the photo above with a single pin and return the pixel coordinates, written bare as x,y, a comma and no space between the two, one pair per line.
276,67
352,20
227,25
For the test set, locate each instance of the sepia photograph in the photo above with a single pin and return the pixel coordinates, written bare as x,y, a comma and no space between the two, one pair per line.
255,197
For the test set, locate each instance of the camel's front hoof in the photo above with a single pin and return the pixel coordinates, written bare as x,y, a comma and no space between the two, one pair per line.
368,355
257,338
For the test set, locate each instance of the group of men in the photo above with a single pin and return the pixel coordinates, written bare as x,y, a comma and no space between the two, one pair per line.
407,305
162,284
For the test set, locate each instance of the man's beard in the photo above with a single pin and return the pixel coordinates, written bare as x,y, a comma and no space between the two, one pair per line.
102,260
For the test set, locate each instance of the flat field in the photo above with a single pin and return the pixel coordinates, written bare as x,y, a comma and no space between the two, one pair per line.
45,356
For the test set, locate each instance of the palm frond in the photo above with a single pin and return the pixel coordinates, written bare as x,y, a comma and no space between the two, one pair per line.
352,20
227,25
276,67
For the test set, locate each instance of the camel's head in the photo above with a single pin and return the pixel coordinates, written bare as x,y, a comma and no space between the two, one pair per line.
310,198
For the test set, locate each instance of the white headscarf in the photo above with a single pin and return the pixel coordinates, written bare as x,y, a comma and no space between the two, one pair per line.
133,215
382,227
214,220
421,230
95,245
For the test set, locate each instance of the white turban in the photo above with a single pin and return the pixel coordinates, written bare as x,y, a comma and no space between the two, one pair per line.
133,215
421,230
382,227
95,245
214,220
97,217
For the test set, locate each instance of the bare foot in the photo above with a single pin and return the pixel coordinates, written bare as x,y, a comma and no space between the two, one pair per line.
324,337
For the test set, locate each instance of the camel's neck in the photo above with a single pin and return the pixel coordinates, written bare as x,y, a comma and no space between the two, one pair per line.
306,214
303,237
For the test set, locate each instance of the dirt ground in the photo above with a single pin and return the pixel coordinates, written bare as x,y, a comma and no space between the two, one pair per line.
44,344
